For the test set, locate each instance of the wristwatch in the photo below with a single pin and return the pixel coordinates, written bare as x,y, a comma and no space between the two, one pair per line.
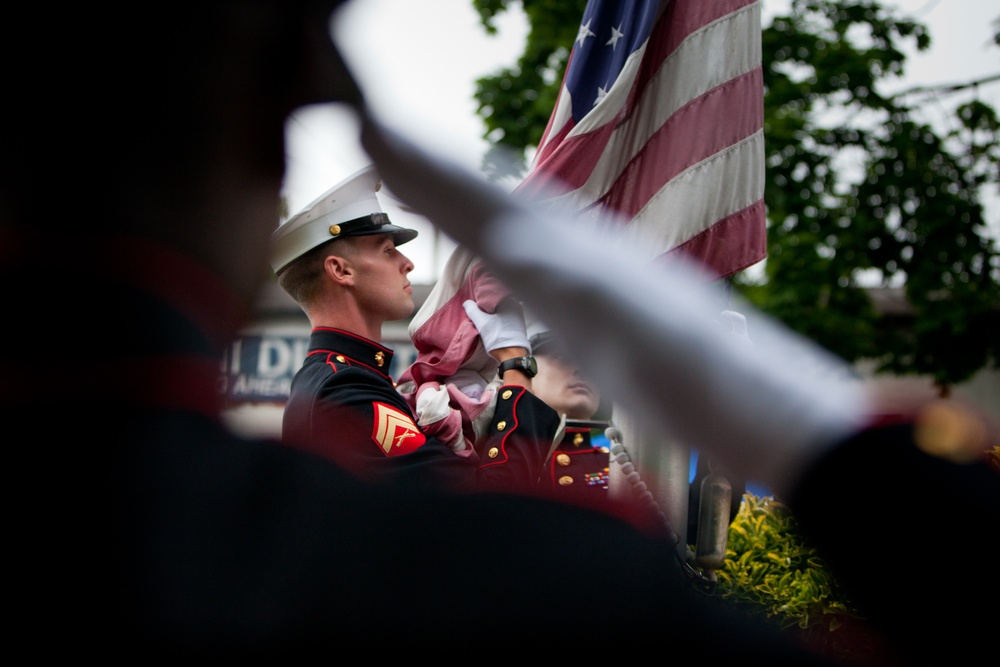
526,365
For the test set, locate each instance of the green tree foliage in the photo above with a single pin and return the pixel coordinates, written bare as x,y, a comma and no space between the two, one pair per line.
858,188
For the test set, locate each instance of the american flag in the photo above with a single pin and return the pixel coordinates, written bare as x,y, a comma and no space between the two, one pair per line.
660,121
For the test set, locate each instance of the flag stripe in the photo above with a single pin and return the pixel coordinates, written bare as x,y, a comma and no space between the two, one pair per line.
713,189
700,129
732,238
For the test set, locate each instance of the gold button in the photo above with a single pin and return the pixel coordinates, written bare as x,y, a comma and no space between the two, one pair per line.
493,453
577,439
501,425
565,480
562,459
507,394
605,450
334,230
340,358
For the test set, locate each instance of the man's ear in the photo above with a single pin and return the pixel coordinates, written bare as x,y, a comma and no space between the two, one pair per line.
339,270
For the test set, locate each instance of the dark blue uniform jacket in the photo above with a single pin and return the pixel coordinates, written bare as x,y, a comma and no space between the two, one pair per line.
344,406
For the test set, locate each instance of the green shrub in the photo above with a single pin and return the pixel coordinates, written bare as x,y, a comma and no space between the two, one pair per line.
770,567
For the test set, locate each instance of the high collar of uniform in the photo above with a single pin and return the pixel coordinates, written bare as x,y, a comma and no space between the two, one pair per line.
358,348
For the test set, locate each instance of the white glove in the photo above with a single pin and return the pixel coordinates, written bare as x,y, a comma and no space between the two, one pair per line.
505,328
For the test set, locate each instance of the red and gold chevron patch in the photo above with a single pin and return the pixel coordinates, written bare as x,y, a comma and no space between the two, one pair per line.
394,431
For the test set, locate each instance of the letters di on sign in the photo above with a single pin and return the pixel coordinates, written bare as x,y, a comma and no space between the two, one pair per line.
259,368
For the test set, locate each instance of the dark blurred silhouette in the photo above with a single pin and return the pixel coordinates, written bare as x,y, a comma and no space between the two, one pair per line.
142,165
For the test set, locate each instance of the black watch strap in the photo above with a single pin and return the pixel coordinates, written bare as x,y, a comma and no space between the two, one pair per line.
526,365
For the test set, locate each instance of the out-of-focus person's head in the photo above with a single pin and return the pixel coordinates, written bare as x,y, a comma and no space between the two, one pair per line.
559,382
170,128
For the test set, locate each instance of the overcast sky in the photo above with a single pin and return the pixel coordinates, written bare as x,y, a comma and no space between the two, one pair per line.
417,62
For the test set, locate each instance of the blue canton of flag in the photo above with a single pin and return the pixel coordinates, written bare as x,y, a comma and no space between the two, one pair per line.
598,57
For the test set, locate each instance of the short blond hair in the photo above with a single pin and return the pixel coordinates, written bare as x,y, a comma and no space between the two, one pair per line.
303,278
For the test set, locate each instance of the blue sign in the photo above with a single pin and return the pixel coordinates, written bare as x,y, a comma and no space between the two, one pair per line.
259,368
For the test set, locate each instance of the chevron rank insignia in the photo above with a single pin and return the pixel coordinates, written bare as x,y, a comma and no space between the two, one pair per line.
394,431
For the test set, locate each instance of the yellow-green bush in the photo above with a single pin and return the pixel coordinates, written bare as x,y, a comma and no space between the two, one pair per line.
769,566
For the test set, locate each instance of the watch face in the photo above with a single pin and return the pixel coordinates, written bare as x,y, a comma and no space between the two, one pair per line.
528,366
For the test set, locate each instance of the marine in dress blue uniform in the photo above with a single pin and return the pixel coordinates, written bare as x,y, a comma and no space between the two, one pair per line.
344,405
579,468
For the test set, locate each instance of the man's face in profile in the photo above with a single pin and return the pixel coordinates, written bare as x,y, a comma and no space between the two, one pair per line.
561,386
